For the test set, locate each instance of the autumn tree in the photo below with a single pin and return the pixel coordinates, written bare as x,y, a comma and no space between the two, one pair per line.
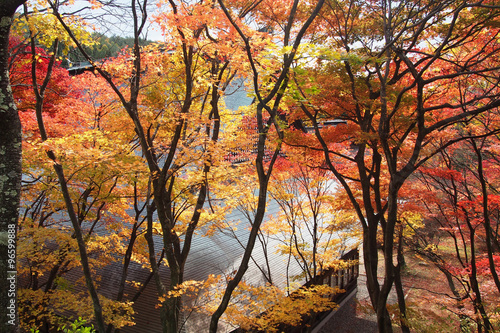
463,216
67,124
399,73
204,44
174,107
313,225
101,170
39,86
269,90
304,234
307,230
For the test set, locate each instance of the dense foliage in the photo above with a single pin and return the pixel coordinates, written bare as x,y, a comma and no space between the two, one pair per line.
103,47
371,122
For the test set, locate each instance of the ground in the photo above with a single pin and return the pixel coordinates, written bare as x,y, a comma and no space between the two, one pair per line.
426,289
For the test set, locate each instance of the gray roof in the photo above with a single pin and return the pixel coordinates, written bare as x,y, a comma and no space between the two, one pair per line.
218,254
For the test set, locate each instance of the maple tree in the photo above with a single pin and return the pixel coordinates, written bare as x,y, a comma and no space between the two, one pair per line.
400,73
204,49
77,141
309,232
313,225
292,248
76,219
269,89
101,173
178,134
464,213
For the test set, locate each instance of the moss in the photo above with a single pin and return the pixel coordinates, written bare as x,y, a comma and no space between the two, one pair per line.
6,21
4,238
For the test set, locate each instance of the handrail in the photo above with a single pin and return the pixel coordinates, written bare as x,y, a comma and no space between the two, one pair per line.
345,279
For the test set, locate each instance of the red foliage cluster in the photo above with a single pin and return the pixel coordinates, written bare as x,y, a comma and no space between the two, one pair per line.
60,102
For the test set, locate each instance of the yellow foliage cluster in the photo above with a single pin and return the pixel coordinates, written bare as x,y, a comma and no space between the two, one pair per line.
63,305
47,28
112,185
267,307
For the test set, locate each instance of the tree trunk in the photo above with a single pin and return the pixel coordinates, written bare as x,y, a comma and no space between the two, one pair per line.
483,320
399,284
377,297
486,214
154,267
10,177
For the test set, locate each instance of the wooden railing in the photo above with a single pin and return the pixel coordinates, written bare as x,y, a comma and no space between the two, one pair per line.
345,279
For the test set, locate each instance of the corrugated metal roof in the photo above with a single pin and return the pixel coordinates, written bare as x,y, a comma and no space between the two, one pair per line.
218,254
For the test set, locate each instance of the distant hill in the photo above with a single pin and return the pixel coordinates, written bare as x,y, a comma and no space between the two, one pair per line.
105,47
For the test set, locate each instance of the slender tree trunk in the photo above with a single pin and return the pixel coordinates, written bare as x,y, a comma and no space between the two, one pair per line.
10,178
82,248
389,228
58,168
377,297
160,287
259,216
399,284
370,258
483,321
276,92
486,214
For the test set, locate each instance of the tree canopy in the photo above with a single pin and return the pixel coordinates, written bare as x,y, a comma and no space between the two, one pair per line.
371,123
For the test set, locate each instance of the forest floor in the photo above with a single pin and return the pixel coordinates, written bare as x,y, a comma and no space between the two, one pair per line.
425,288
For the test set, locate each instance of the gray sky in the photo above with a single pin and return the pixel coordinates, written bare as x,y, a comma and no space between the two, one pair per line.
115,18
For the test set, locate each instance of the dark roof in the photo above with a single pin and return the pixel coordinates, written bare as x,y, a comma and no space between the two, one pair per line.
217,254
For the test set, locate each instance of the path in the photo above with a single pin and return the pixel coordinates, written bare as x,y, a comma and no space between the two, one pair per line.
351,318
